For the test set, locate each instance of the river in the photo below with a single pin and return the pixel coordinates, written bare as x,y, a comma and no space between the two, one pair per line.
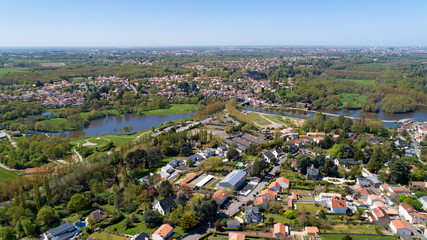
115,124
419,115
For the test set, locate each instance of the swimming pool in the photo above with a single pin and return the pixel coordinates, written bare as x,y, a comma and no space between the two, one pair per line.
80,224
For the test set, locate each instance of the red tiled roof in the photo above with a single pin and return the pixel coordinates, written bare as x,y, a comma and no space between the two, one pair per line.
219,195
342,204
399,224
163,230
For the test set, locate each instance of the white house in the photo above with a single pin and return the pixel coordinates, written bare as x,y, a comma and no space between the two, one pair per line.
405,210
400,227
338,206
164,205
163,232
417,218
374,198
423,200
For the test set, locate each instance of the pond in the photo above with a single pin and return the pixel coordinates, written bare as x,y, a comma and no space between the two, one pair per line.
115,124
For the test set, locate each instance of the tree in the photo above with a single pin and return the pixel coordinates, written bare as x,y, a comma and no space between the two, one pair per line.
189,221
165,189
25,227
37,199
184,148
258,167
418,174
45,216
218,225
355,172
233,154
400,171
346,237
181,199
376,162
329,168
7,233
153,157
213,163
303,162
152,218
77,203
47,190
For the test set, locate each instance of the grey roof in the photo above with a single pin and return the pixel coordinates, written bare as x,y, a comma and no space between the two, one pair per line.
223,148
62,232
251,209
234,177
195,157
269,155
143,236
373,179
167,203
174,163
3,135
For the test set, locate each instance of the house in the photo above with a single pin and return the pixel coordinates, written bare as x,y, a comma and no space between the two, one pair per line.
361,193
97,215
375,140
209,153
405,210
277,152
417,218
174,163
234,179
280,230
2,135
400,227
233,224
294,196
374,181
381,217
423,201
267,193
283,182
268,156
274,186
163,232
312,173
30,171
141,236
419,184
252,214
346,162
374,198
62,232
220,196
164,205
168,169
311,231
236,236
221,151
338,206
400,143
16,134
195,157
262,201
363,182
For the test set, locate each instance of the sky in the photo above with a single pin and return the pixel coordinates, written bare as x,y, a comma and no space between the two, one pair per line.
139,23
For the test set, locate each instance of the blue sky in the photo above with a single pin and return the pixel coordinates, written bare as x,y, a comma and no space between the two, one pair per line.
205,22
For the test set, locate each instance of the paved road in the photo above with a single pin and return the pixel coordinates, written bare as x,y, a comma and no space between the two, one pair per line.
235,206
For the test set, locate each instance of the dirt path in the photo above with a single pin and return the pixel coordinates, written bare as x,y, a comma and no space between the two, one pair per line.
7,168
78,155
273,124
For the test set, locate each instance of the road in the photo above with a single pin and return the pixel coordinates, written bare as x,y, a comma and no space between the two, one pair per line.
11,141
235,206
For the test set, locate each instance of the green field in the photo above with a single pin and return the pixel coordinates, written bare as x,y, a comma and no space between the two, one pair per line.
258,119
4,174
354,237
361,81
104,235
117,139
351,100
349,228
275,118
174,109
278,218
309,207
12,70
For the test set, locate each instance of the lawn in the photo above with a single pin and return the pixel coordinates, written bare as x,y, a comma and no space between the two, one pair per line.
354,237
361,81
278,218
104,235
309,207
349,228
139,227
351,100
12,70
174,109
258,119
117,139
275,118
4,174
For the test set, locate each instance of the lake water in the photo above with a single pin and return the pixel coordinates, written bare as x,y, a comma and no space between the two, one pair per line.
115,124
419,115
